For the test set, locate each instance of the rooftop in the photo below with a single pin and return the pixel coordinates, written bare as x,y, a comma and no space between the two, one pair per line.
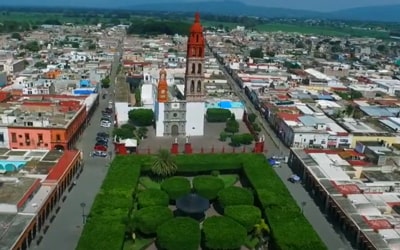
12,225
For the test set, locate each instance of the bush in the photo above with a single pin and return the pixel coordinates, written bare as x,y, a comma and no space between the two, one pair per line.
148,219
223,233
152,197
245,215
232,126
207,186
217,115
179,233
176,187
246,139
223,136
252,117
231,196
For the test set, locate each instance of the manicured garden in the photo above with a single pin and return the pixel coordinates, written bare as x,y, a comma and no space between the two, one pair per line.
136,206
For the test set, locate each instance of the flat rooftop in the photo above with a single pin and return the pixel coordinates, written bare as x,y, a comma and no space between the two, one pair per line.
41,111
11,227
13,189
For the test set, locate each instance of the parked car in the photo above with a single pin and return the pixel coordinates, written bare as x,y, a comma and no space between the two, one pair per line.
103,134
99,154
101,144
105,124
105,119
100,138
102,141
294,179
108,116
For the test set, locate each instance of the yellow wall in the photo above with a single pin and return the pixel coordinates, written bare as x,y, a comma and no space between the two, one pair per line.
390,140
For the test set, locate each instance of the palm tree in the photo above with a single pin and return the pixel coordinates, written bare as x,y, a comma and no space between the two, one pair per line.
164,164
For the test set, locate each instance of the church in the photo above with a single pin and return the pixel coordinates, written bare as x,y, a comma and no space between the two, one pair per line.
178,118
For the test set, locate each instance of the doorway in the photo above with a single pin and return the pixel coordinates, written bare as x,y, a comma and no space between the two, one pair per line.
174,130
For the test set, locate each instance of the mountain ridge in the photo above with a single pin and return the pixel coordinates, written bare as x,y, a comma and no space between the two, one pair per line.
387,13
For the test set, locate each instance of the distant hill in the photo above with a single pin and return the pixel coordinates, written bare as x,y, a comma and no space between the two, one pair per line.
375,13
390,13
228,8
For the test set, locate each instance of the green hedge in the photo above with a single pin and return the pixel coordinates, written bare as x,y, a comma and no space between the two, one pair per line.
231,196
245,215
104,228
152,197
222,233
176,187
290,229
207,186
148,219
179,233
217,115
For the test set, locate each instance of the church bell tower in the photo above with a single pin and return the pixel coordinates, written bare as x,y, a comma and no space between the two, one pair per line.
194,76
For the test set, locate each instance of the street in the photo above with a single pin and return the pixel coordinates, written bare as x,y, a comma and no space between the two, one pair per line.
332,239
65,230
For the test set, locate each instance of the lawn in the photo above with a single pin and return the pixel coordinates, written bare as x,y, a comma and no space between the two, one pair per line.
115,215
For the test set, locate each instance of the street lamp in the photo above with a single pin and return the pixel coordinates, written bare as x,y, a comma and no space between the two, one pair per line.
303,204
83,205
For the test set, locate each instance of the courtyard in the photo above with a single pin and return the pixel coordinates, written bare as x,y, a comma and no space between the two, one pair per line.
243,201
209,142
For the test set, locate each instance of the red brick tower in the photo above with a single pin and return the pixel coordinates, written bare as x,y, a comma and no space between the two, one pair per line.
162,89
194,77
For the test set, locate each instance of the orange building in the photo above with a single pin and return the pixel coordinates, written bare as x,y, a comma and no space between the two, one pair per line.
47,123
52,74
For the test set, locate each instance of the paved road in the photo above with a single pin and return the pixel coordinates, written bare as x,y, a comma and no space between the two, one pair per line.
65,230
332,239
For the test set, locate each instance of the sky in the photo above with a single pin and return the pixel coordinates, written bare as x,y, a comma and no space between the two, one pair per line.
315,5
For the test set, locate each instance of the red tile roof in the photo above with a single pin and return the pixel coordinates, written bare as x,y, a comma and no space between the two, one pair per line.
288,117
359,163
35,186
62,166
378,224
348,189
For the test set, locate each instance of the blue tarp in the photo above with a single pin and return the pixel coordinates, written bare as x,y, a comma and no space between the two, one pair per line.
272,162
84,83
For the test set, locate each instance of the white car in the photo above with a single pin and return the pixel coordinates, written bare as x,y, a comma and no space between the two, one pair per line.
105,124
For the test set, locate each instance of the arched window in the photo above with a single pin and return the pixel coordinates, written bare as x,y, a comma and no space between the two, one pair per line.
197,38
193,52
200,52
199,68
192,86
198,86
193,68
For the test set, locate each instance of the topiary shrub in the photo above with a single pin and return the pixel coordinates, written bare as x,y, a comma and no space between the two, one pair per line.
207,186
245,215
152,197
231,196
148,219
223,233
176,187
179,233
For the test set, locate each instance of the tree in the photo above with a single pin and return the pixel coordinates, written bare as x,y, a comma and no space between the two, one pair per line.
257,53
260,230
252,117
126,131
16,35
75,45
40,65
141,117
33,46
232,126
92,46
164,164
105,82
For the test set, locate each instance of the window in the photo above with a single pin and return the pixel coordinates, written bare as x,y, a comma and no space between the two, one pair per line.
40,137
193,52
13,137
200,52
199,68
193,68
192,86
197,38
58,137
199,86
27,137
1,137
175,115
